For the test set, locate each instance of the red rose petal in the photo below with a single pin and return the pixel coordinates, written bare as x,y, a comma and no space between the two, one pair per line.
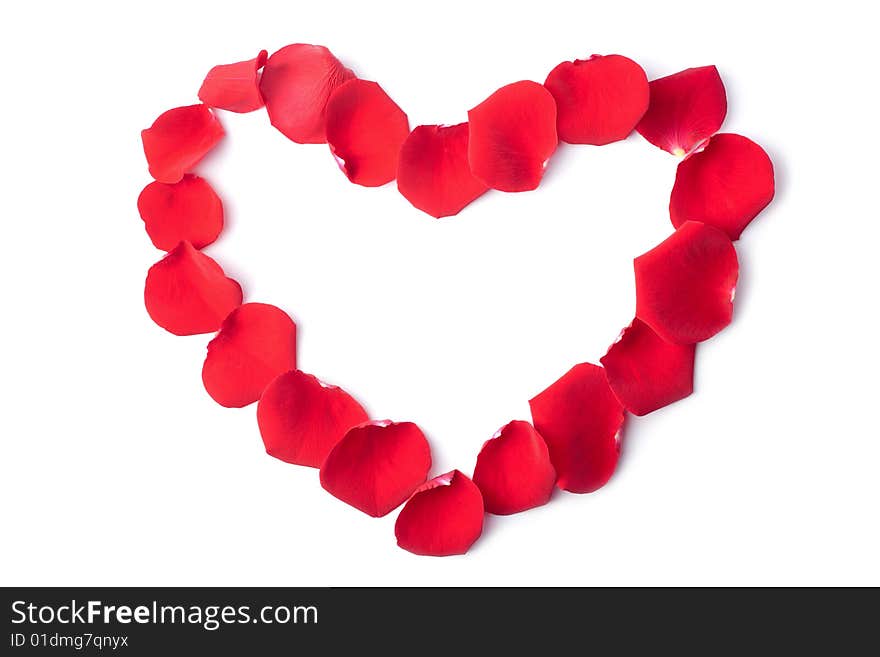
187,293
725,185
234,87
256,343
189,210
433,172
302,419
178,139
512,136
443,517
513,471
377,466
685,285
646,372
365,130
296,83
580,420
599,100
685,110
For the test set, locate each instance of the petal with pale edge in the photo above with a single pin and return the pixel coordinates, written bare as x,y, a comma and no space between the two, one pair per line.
256,343
301,419
234,87
443,517
187,293
189,210
178,139
580,419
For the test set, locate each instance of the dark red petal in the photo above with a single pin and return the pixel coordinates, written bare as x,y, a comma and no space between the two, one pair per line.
646,372
580,420
234,87
599,100
256,343
685,110
512,136
365,130
178,139
187,293
513,471
377,466
685,285
296,83
725,185
443,517
188,210
301,419
433,173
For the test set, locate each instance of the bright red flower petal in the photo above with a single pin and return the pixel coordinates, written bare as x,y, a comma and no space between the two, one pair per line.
178,139
685,110
580,420
512,136
513,471
725,185
296,83
377,466
433,172
301,419
187,293
234,87
365,130
256,343
646,372
685,285
189,210
442,518
599,100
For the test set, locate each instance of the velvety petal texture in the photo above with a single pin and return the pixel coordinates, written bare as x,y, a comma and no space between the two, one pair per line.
685,110
513,470
234,87
725,185
433,171
256,343
646,372
685,285
580,419
444,517
377,466
187,293
296,83
178,139
301,419
512,136
189,211
598,100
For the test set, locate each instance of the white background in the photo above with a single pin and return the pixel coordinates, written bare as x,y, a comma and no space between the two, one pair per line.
118,469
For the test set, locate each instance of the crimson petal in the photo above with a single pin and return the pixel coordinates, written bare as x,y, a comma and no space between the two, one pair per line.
513,470
234,87
296,83
685,285
301,419
178,139
433,172
581,420
365,130
442,518
646,372
187,293
599,100
189,210
725,185
377,466
512,136
256,343
685,110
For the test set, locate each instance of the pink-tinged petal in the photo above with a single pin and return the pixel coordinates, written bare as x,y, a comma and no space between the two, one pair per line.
178,139
234,87
185,211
